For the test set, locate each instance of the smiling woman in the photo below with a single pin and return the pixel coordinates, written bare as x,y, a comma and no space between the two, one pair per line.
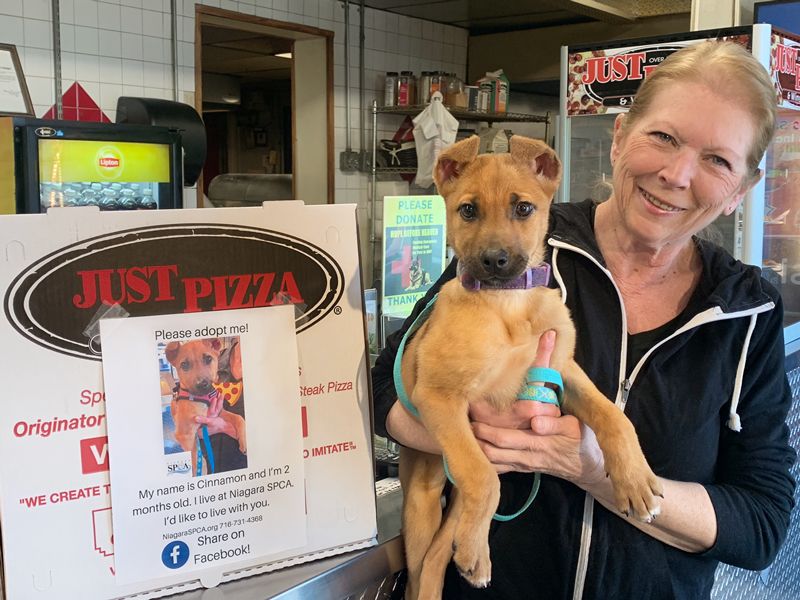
651,303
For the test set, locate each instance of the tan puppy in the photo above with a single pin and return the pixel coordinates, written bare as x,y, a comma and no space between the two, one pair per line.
478,345
196,363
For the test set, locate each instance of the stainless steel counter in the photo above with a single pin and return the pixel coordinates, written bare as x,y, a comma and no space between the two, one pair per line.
336,578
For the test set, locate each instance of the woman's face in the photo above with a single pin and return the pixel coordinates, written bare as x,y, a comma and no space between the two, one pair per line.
681,165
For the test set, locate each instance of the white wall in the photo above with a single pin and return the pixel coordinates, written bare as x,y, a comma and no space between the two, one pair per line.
122,47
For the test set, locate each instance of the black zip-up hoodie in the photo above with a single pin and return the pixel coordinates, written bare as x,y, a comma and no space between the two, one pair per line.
685,400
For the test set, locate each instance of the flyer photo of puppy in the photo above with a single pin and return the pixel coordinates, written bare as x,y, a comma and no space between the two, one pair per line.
202,406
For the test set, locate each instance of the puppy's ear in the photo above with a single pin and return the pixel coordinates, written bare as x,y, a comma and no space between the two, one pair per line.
452,160
537,156
171,352
214,343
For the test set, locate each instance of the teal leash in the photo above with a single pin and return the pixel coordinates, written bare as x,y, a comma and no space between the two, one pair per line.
529,391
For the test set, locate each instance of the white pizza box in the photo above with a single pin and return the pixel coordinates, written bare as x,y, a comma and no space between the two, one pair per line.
55,272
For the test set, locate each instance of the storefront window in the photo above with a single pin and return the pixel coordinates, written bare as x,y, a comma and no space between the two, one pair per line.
781,260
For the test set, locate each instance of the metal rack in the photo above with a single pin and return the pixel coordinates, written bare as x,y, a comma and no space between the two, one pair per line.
460,114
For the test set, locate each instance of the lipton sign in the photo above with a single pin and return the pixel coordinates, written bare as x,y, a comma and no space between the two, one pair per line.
167,270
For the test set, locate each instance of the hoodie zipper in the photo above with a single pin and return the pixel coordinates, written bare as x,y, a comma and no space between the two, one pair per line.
626,383
625,388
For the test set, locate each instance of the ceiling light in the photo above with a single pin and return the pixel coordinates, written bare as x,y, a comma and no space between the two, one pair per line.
284,55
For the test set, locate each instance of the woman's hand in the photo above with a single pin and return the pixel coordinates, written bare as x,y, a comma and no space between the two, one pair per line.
535,436
216,425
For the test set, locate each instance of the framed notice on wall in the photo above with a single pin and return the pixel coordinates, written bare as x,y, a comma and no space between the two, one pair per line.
14,96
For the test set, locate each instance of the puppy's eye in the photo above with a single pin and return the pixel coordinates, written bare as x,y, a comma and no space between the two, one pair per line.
185,366
467,211
207,359
523,210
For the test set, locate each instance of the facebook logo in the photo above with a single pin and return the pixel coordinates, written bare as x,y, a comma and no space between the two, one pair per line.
174,555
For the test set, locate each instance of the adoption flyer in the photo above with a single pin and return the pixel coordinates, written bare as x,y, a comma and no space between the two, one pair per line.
205,439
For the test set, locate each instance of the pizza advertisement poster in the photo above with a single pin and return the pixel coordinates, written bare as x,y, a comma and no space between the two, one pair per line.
69,272
605,80
785,68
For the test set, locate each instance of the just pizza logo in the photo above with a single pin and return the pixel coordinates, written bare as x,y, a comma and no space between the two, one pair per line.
167,270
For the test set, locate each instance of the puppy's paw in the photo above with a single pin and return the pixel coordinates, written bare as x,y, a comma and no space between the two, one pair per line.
473,563
637,491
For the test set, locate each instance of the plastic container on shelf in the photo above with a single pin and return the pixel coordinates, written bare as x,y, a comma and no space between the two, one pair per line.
424,88
390,89
406,89
455,95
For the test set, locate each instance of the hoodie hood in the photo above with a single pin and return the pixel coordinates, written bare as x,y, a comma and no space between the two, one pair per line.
727,282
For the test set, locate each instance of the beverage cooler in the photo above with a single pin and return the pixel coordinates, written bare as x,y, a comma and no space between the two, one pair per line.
68,163
599,81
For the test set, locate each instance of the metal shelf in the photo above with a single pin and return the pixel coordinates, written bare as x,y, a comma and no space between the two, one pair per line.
397,170
461,113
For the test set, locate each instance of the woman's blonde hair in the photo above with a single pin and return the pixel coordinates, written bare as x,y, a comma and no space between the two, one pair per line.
725,67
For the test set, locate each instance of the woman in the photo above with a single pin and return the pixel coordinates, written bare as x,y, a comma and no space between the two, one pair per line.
686,340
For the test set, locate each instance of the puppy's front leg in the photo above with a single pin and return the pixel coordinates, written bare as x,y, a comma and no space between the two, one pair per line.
635,485
445,415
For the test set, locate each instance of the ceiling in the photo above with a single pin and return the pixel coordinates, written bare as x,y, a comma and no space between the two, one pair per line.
482,16
244,54
249,55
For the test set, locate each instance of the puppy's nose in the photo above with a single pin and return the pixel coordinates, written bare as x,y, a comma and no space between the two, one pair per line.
495,261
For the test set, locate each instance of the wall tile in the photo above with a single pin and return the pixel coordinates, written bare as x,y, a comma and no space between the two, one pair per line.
132,19
132,46
153,74
110,69
12,31
36,62
86,13
326,9
157,5
42,91
137,91
67,65
153,23
66,37
187,25
110,43
12,8
109,92
310,7
87,40
108,16
379,19
67,11
164,94
247,8
132,72
155,49
35,9
186,54
133,3
87,68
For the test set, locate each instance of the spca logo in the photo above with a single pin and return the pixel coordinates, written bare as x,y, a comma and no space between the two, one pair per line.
179,464
207,267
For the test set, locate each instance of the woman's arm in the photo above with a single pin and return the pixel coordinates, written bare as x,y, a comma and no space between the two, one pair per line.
384,395
561,446
408,431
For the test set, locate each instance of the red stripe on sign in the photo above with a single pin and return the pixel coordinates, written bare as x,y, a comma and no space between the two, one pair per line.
304,419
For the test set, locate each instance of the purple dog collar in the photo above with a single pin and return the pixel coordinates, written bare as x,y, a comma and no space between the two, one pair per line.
532,277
